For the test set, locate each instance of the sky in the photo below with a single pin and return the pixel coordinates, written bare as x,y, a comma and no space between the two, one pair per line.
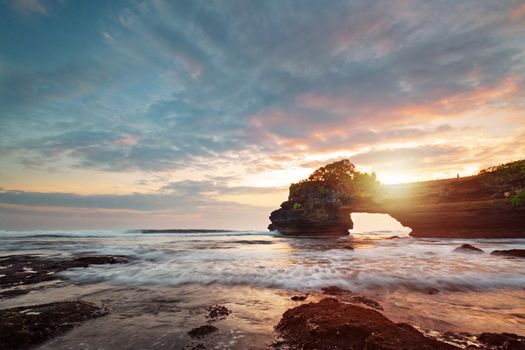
131,114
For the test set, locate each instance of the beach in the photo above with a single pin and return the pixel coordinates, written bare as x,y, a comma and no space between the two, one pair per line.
163,291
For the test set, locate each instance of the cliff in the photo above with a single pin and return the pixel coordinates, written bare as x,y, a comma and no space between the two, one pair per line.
313,208
488,205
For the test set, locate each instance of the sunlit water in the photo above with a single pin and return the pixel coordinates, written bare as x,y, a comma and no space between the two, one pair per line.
172,277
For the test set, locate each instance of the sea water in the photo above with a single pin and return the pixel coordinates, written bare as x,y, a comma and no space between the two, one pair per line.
418,280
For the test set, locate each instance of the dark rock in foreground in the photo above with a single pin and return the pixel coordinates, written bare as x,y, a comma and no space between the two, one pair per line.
195,347
24,327
13,293
85,261
514,253
334,290
30,269
217,312
467,248
367,301
330,324
506,341
202,331
299,297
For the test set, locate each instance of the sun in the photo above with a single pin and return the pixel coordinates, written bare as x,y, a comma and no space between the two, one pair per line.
392,177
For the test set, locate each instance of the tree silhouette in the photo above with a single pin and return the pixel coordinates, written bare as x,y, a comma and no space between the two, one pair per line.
338,177
340,171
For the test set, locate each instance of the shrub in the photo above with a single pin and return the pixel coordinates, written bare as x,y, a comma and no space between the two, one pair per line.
297,205
518,199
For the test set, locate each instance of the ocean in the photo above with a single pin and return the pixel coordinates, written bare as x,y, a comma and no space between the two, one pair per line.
171,278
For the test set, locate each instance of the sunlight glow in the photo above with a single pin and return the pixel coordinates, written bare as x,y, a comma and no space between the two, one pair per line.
394,177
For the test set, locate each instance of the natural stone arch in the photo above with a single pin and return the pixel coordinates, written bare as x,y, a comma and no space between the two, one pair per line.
472,207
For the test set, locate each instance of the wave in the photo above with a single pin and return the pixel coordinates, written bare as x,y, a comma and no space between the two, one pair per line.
298,265
299,277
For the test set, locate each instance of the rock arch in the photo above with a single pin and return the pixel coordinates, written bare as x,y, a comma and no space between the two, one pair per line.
469,207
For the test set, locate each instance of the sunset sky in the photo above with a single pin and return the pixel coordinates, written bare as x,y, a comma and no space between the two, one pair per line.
132,114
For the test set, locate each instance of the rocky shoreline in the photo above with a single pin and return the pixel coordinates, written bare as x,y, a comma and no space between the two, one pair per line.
331,324
21,270
26,326
332,318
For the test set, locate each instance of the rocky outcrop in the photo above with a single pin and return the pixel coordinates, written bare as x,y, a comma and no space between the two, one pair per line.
512,253
27,326
467,248
470,207
202,331
313,208
488,205
30,269
507,341
330,324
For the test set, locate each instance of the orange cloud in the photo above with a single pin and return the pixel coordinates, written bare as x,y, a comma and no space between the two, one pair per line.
127,140
504,92
518,12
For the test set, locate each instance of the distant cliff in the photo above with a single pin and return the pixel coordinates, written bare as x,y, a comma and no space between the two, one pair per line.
490,204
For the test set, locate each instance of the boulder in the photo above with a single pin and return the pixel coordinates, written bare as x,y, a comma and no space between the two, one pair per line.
513,253
31,269
330,324
202,331
335,290
467,248
217,312
506,341
367,301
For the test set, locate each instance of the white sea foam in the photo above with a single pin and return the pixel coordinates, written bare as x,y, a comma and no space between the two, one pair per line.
266,259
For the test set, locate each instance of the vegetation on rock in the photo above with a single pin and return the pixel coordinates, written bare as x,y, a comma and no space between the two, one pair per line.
515,168
518,199
339,178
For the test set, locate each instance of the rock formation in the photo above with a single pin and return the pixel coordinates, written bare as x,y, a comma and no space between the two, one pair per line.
22,270
322,204
512,253
26,326
313,208
330,324
467,248
490,204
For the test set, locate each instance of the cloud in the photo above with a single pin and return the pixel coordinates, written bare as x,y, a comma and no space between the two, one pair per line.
30,6
183,90
184,194
181,205
21,217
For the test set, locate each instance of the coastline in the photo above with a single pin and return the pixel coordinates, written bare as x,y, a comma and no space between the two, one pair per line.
161,293
170,313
